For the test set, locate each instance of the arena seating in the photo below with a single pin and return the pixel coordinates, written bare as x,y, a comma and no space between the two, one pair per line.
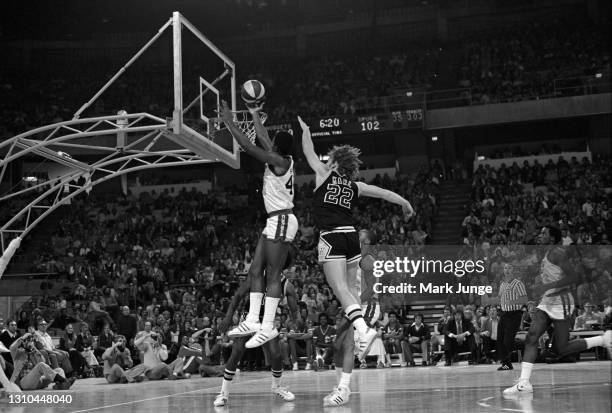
487,72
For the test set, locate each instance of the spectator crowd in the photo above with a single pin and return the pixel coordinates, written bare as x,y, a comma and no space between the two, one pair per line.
512,65
153,275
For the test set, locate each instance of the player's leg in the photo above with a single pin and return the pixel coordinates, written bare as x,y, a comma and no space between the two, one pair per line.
230,370
344,354
276,362
333,250
279,233
251,324
354,311
275,253
344,350
539,323
562,346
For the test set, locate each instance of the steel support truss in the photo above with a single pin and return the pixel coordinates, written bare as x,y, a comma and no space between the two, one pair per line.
124,143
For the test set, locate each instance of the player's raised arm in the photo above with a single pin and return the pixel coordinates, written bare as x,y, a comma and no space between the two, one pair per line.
317,166
374,191
271,158
262,132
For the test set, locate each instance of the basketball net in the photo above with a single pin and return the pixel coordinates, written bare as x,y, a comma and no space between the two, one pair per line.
245,123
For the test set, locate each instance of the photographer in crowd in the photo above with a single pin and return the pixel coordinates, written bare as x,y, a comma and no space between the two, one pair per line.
30,371
154,357
118,363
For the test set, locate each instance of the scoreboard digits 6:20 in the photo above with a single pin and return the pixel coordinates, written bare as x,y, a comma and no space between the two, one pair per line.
353,124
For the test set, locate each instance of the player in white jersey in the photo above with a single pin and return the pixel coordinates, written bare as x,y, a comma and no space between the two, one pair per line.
556,305
280,230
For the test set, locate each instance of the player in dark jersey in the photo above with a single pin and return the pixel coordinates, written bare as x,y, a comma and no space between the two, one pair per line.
280,230
272,346
553,284
335,196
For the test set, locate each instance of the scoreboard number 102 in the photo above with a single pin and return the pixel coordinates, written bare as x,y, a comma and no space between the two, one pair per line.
370,125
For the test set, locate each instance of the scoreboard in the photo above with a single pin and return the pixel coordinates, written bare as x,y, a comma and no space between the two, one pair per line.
356,124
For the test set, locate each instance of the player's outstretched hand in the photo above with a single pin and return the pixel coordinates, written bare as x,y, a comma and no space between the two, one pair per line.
408,210
303,124
225,113
256,106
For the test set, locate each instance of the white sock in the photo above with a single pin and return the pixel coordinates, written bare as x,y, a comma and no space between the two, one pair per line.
276,381
225,386
361,326
597,341
269,313
345,380
338,375
355,315
254,307
526,370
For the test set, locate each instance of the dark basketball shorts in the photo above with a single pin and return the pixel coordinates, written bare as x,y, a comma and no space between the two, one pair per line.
341,243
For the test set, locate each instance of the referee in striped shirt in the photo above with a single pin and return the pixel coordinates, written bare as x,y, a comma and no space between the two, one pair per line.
513,296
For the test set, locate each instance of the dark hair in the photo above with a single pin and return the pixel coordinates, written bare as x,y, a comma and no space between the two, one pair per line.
283,141
392,313
323,315
347,158
419,315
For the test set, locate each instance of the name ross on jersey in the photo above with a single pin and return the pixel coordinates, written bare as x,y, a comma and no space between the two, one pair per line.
340,180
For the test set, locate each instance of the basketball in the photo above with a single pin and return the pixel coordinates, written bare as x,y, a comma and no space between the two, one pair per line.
252,91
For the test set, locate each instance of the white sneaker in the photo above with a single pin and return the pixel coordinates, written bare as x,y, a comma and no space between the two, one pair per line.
522,386
330,394
295,366
365,342
246,328
283,393
607,338
221,399
308,366
261,337
338,397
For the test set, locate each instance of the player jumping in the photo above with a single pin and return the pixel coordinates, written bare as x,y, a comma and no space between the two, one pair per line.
335,196
556,305
271,346
280,230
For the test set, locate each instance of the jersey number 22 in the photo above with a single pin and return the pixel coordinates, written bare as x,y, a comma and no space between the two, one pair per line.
338,196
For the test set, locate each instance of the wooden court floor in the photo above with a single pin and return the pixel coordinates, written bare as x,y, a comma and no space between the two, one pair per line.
582,387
